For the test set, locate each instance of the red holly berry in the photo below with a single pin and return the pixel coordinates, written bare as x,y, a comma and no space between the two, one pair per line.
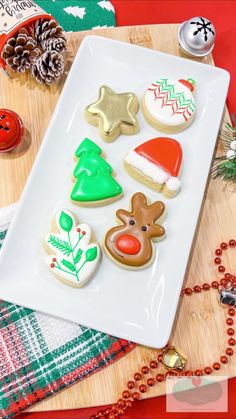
54,260
78,230
83,233
52,265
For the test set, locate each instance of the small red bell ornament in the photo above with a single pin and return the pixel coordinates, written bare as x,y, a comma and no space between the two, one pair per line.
11,130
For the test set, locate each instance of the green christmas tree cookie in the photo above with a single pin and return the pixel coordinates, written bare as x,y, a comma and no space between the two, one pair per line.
95,184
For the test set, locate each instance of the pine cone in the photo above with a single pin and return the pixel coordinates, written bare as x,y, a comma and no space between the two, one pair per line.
46,30
54,44
20,51
48,68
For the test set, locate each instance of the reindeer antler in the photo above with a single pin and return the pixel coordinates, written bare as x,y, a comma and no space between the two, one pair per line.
138,201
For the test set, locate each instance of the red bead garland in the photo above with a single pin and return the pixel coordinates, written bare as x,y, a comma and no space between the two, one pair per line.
128,397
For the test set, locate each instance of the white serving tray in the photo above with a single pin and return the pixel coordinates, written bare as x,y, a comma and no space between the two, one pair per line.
136,305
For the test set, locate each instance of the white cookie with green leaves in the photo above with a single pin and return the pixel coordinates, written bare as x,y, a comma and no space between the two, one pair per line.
73,258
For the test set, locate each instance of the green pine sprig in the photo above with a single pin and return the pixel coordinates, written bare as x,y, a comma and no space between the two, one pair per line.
61,245
224,168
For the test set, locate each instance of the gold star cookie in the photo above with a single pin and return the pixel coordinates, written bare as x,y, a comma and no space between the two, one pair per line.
113,113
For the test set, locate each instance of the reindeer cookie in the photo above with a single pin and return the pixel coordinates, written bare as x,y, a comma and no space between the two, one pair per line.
131,243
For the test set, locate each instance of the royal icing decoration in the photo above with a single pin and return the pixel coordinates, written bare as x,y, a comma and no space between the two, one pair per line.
73,258
130,244
94,180
171,103
158,160
114,113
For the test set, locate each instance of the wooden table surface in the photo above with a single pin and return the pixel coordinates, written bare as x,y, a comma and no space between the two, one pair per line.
199,328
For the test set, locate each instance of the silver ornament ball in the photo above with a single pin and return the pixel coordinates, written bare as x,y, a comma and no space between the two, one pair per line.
196,36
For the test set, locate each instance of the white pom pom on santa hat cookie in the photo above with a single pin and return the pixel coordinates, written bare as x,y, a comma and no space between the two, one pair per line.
157,163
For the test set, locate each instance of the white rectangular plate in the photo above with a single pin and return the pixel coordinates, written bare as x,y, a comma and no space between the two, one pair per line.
136,305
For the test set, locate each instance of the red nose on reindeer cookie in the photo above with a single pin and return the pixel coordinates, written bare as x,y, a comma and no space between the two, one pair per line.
157,163
131,243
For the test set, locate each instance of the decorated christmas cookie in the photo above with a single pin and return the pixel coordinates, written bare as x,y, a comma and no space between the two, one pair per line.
131,243
157,163
95,184
169,105
113,113
73,257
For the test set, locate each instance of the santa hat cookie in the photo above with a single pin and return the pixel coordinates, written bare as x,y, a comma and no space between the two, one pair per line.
169,105
157,163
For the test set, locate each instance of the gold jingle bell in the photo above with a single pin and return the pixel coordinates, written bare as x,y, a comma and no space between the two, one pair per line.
172,359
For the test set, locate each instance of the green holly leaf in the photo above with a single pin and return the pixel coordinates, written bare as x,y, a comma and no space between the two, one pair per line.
78,255
68,265
66,222
91,254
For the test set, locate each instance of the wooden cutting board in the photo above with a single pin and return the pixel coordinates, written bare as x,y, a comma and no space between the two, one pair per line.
200,323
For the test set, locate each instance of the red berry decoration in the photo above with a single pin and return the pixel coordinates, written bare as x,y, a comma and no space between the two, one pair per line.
137,376
136,396
229,351
218,252
160,377
52,265
83,233
223,359
230,331
78,230
232,243
217,261
197,288
231,341
153,364
125,394
130,385
150,382
11,130
223,246
145,369
208,370
229,321
54,260
216,366
221,268
142,388
231,312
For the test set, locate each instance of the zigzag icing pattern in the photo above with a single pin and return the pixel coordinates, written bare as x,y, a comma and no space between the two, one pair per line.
170,102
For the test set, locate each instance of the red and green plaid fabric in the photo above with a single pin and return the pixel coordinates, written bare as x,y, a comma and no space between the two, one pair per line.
40,355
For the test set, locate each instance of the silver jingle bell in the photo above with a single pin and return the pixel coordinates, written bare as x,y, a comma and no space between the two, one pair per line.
196,36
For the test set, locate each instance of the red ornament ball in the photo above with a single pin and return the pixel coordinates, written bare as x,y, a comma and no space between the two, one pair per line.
11,130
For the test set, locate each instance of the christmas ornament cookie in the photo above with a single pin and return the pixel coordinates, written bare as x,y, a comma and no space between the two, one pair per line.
157,163
73,258
113,113
95,184
169,105
131,243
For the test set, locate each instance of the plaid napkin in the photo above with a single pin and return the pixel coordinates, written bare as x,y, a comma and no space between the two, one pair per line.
40,355
80,15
